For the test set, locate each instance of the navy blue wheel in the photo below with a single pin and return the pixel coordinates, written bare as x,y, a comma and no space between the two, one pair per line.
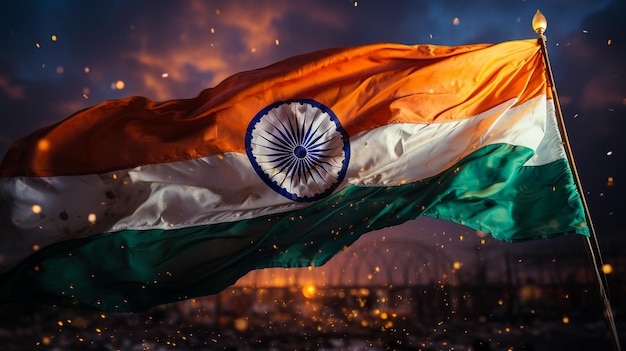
298,148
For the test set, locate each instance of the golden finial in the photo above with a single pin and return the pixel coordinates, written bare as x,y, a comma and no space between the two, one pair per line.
540,23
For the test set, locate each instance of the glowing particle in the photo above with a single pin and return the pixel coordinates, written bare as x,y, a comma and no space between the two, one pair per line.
86,69
165,75
54,37
565,319
241,324
356,4
456,21
218,12
36,209
277,42
457,265
60,69
119,85
43,145
35,247
91,218
607,268
37,45
608,42
609,181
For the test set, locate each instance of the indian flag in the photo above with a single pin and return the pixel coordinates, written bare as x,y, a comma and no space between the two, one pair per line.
133,203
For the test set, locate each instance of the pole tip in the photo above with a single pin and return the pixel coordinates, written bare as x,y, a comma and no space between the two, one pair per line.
540,23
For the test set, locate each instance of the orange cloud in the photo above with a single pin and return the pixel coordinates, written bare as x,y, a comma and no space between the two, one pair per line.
213,43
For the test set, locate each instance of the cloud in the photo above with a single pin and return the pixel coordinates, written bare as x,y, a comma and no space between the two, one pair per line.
592,61
209,43
603,92
11,90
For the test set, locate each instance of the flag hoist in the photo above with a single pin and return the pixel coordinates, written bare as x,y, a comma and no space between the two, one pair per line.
540,24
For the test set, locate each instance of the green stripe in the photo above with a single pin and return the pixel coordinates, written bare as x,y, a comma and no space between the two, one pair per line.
136,270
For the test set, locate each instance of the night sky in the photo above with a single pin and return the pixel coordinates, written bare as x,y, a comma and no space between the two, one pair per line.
57,57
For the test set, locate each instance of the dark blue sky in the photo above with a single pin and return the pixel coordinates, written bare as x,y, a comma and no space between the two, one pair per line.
174,49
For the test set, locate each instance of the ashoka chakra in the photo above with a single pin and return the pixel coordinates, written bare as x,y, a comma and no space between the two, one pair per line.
298,148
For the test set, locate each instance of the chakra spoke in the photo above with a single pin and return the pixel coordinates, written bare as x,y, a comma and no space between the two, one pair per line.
299,149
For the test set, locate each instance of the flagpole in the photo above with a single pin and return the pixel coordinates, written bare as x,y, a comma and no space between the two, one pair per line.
540,24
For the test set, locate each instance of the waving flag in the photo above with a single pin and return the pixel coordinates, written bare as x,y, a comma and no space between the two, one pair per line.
134,203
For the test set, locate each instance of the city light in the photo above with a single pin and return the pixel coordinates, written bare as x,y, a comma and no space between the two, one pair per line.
309,291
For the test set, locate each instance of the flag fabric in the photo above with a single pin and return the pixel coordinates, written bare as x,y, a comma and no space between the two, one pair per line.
133,203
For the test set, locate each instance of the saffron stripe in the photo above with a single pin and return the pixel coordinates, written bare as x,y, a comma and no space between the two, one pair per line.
367,87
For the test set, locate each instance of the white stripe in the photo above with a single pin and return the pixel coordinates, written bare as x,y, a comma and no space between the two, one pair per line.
225,188
551,146
403,153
